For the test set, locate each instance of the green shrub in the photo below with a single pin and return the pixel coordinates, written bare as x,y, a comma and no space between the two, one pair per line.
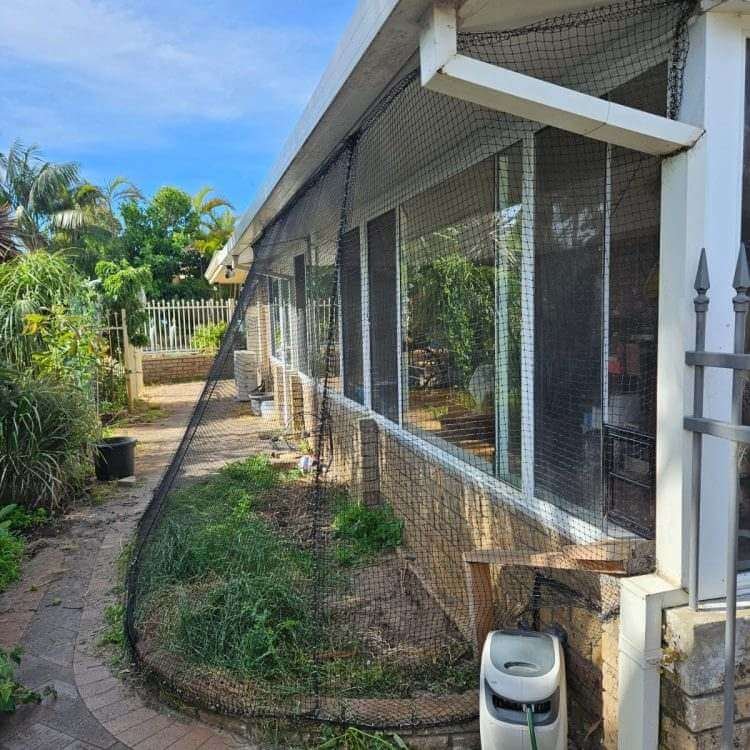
46,441
47,317
11,549
20,519
12,692
123,289
207,339
364,531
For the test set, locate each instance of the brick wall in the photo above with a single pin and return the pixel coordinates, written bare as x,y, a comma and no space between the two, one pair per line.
446,514
175,368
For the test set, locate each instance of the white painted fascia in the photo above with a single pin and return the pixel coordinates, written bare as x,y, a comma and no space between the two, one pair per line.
445,71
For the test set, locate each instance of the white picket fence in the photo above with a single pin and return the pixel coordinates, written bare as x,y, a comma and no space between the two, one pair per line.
172,323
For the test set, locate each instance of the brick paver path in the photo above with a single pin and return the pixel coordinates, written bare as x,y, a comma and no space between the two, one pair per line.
55,612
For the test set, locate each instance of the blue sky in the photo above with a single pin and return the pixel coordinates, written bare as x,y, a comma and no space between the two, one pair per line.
180,92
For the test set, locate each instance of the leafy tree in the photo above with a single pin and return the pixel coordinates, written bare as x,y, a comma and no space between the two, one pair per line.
216,226
158,235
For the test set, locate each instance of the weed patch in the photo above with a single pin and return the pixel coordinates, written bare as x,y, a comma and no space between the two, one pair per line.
357,739
227,582
363,532
114,631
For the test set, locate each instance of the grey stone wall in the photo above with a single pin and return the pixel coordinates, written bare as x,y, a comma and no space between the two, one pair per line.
693,680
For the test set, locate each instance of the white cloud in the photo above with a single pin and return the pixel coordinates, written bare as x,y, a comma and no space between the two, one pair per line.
176,67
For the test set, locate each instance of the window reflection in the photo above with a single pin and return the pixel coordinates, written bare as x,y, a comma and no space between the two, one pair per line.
448,287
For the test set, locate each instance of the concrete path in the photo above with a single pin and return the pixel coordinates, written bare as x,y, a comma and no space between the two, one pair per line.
56,613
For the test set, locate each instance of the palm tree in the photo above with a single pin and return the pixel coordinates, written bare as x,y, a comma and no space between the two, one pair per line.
215,226
36,190
93,208
8,247
206,207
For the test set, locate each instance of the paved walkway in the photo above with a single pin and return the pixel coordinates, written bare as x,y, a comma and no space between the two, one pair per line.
56,613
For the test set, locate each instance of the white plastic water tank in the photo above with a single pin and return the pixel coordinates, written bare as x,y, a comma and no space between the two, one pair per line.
522,669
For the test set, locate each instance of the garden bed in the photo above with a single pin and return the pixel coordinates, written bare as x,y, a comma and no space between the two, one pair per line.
247,606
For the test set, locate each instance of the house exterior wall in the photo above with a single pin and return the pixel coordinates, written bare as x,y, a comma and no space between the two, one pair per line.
446,515
450,513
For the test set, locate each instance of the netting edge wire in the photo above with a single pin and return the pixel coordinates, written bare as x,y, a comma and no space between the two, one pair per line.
324,415
153,510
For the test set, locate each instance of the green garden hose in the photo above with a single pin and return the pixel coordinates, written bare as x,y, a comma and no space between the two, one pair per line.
530,723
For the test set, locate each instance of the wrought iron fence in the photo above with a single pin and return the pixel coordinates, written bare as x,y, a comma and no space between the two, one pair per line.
739,435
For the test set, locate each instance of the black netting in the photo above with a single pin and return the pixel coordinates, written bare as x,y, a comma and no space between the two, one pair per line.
434,411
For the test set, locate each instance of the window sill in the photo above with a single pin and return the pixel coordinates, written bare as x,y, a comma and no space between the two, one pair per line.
573,528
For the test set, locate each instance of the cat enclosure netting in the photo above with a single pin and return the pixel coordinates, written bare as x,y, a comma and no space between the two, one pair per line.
433,413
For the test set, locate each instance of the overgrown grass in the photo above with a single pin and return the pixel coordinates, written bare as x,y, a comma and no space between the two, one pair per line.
221,586
233,593
353,738
363,531
114,631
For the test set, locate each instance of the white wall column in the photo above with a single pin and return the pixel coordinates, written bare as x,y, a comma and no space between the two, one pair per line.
701,202
701,199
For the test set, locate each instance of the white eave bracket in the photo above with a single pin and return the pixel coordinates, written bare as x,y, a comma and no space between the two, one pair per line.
445,71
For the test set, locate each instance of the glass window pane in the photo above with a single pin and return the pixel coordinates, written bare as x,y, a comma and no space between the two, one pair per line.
509,238
381,265
299,306
569,249
448,282
350,284
633,295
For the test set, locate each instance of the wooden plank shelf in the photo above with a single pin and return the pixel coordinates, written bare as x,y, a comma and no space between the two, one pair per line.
616,557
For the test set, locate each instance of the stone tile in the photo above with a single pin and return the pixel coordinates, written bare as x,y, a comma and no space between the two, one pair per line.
36,672
70,715
216,743
115,695
143,731
93,675
116,710
166,738
132,718
96,687
196,738
38,736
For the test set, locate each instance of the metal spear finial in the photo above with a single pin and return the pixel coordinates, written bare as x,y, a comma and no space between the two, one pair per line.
741,281
702,284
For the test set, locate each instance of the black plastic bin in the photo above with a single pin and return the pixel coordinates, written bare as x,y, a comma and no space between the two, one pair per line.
115,458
